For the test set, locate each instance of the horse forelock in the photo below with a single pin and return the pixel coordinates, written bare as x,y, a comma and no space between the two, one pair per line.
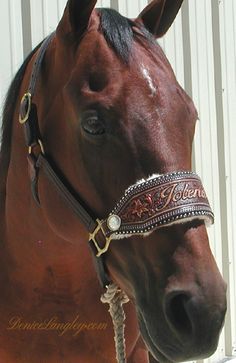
120,33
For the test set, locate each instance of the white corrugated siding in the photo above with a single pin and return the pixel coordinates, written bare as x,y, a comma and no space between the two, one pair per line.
201,47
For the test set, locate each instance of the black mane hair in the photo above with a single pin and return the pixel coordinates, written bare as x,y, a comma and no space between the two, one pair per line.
119,33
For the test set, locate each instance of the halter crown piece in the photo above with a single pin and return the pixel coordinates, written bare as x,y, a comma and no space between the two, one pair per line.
159,201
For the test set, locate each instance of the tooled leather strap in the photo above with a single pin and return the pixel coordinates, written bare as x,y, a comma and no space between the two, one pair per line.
162,201
157,202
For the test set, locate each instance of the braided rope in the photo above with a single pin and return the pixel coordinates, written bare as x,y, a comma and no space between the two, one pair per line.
116,298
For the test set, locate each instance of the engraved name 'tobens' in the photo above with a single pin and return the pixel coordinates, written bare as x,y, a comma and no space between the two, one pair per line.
172,195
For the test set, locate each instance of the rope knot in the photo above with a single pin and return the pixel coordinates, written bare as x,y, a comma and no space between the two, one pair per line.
116,298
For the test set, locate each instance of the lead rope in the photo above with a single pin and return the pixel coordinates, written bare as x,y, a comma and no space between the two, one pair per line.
116,298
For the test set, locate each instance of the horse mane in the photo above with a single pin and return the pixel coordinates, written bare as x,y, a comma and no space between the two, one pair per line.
7,121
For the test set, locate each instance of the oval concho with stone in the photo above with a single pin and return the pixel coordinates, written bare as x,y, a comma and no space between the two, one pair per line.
113,222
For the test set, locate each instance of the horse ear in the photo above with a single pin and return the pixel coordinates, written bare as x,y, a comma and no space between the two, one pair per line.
76,18
158,16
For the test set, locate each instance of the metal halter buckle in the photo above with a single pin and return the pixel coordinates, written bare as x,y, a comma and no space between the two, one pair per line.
40,144
92,237
27,99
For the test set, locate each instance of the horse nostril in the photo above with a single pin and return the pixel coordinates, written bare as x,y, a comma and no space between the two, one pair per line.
177,312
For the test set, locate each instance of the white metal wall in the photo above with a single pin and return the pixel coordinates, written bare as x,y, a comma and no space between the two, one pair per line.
201,47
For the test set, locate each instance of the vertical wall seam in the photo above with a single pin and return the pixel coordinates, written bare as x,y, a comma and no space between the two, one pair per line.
221,158
187,57
11,34
114,4
26,27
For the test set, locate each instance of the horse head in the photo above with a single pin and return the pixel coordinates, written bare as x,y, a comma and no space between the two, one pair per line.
113,114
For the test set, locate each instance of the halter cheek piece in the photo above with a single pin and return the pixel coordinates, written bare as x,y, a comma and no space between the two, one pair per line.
157,202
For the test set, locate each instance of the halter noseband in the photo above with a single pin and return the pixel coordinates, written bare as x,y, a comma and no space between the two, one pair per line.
150,204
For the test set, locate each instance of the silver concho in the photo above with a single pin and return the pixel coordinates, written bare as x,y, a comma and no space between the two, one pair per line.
113,222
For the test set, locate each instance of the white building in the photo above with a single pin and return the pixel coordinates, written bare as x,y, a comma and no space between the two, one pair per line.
201,47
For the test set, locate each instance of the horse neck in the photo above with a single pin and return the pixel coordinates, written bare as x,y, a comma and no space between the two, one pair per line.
37,257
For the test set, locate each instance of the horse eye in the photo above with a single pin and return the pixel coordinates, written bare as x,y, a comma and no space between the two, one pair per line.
92,125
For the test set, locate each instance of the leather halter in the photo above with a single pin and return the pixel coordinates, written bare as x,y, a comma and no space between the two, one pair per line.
159,201
29,119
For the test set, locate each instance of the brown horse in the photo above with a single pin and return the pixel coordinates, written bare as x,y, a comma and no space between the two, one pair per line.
110,112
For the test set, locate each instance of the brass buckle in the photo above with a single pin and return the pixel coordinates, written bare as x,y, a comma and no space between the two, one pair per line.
28,99
92,237
40,143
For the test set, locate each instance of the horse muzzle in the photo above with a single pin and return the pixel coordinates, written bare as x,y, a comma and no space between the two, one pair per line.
187,330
